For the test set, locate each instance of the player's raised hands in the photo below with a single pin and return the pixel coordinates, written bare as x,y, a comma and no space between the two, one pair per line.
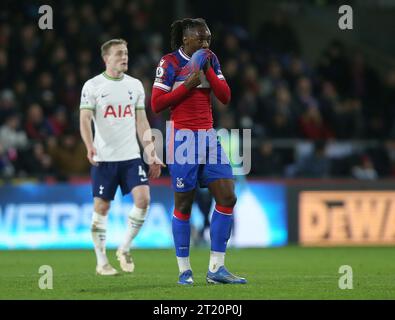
213,58
92,152
193,80
207,65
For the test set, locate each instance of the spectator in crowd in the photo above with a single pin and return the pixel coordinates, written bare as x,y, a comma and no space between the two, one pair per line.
58,121
314,165
231,46
7,104
272,79
278,37
381,160
271,163
11,137
363,80
334,65
295,70
40,164
6,168
281,120
3,68
328,101
304,94
231,70
312,125
348,119
365,169
36,125
68,156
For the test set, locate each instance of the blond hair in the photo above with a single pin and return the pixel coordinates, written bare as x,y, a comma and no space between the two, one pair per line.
108,44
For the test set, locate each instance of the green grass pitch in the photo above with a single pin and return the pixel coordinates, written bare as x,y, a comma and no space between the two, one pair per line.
273,273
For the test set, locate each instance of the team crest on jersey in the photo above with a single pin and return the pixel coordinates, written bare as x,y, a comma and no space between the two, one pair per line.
84,99
118,112
160,72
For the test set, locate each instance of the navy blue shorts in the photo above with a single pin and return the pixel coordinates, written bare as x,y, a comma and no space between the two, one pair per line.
193,162
107,176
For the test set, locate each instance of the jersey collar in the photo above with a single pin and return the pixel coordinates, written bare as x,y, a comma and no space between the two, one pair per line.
183,54
112,78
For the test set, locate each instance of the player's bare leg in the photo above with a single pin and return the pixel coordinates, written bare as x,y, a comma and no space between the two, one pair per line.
220,230
141,200
98,229
182,234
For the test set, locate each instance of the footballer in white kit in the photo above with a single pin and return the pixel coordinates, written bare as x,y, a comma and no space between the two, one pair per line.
115,102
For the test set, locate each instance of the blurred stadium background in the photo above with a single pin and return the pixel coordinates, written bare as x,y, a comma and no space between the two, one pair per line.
320,103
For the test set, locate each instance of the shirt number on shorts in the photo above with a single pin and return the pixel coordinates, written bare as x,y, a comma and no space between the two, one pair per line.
142,174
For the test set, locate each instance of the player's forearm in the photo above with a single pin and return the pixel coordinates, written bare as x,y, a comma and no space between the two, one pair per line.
86,132
220,87
161,100
144,134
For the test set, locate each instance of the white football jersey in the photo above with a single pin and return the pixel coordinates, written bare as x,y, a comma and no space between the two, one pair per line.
114,103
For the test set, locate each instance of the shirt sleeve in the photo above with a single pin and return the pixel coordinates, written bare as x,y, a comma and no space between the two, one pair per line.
165,75
140,104
88,100
220,87
161,100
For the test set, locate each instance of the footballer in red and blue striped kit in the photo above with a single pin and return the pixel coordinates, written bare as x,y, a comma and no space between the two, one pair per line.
184,81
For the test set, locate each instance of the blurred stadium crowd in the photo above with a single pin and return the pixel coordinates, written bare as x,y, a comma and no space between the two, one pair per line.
333,118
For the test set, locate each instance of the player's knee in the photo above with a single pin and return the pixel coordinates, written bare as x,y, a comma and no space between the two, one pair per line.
102,207
184,207
184,201
227,200
143,201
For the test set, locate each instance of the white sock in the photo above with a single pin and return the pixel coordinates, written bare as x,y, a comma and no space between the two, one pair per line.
99,226
217,260
183,264
135,222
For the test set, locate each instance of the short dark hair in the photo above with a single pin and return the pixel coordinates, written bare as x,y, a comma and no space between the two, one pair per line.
108,44
178,28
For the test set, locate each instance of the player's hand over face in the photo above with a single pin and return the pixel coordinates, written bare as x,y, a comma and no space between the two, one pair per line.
207,65
193,80
155,168
92,152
